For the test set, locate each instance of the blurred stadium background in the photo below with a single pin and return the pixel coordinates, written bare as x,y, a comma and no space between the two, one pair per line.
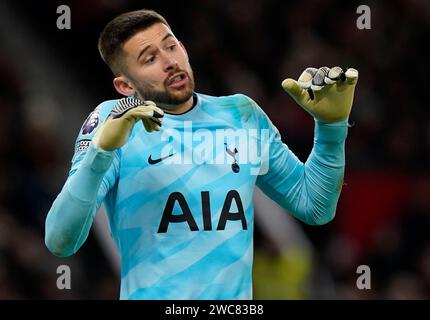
52,79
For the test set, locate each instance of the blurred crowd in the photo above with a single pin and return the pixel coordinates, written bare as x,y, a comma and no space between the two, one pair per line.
383,216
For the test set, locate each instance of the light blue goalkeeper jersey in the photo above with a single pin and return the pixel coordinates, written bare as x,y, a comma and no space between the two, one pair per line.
179,201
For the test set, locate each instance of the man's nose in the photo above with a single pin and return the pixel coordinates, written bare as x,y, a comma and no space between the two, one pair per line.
170,63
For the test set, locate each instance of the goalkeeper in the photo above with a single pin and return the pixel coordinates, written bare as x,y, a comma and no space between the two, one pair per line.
184,229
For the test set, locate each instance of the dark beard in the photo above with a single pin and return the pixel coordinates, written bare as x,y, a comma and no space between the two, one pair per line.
165,98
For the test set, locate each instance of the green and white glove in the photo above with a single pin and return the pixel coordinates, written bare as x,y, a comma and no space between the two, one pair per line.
115,131
327,94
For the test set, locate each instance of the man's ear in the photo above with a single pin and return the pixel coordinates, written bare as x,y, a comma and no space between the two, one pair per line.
124,86
183,48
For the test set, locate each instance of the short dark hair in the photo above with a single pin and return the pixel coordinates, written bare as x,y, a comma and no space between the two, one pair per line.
122,28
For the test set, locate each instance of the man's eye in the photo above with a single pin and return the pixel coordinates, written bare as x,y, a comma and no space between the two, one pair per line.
172,47
149,60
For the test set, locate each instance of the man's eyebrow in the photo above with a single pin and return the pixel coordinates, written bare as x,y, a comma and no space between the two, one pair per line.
143,51
168,35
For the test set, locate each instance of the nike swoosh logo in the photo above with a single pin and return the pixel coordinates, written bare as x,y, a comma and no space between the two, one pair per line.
154,161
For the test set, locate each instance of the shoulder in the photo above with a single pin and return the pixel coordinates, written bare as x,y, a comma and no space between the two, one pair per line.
90,126
239,106
239,100
96,117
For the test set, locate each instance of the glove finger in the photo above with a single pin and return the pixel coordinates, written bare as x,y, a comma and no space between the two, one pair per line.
147,126
149,122
305,79
334,74
295,91
154,126
158,112
149,111
124,105
351,76
318,79
155,121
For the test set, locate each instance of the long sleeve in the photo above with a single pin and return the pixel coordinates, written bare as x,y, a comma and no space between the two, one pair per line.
93,173
70,218
310,190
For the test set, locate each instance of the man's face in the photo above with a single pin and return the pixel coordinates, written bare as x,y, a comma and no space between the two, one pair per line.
157,65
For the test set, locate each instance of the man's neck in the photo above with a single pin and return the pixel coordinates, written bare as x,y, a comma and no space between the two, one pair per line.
180,108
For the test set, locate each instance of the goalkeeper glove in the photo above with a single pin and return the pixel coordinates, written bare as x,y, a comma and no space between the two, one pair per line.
115,131
325,93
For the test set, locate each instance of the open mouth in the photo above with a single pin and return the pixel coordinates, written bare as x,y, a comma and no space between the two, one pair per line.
177,80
